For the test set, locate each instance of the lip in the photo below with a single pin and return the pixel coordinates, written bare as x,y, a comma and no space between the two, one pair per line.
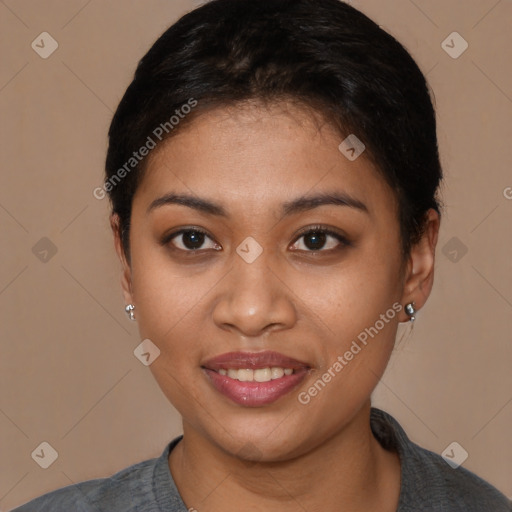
254,394
253,361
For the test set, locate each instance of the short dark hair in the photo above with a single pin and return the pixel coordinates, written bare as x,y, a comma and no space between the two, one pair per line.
324,54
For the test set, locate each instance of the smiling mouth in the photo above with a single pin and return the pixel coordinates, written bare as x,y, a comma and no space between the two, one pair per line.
254,379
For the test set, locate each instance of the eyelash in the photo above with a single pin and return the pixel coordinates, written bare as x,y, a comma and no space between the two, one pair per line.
306,231
319,228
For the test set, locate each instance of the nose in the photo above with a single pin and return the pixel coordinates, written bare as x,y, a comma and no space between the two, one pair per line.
254,299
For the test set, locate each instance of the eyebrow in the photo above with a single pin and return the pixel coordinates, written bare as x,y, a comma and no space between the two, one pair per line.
299,204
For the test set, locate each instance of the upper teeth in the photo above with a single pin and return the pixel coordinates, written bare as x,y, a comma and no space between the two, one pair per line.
259,375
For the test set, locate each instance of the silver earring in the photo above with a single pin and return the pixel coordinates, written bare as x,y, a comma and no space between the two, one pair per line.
129,311
409,309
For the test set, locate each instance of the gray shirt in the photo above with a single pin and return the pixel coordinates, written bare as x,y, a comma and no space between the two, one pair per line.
428,483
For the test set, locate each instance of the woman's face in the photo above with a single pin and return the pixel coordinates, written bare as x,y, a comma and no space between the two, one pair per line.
256,293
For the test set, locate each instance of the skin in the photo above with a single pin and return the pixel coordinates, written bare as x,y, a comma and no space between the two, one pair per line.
310,306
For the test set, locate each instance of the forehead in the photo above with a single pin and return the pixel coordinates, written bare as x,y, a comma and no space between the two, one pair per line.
254,157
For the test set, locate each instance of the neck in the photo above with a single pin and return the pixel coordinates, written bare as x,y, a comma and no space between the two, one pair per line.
349,471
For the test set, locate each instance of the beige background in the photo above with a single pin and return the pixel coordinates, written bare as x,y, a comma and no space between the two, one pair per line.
68,375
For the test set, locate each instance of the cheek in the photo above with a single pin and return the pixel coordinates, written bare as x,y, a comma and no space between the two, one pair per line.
168,306
351,297
353,362
356,311
164,293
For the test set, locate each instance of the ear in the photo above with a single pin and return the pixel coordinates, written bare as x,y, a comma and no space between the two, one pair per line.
419,276
126,277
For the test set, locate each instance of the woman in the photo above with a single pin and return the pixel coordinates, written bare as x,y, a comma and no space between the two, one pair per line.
273,171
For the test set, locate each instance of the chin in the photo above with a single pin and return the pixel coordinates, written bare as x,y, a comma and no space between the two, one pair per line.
260,437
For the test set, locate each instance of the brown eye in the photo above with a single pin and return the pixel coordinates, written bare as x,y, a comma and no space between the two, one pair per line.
317,239
189,240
